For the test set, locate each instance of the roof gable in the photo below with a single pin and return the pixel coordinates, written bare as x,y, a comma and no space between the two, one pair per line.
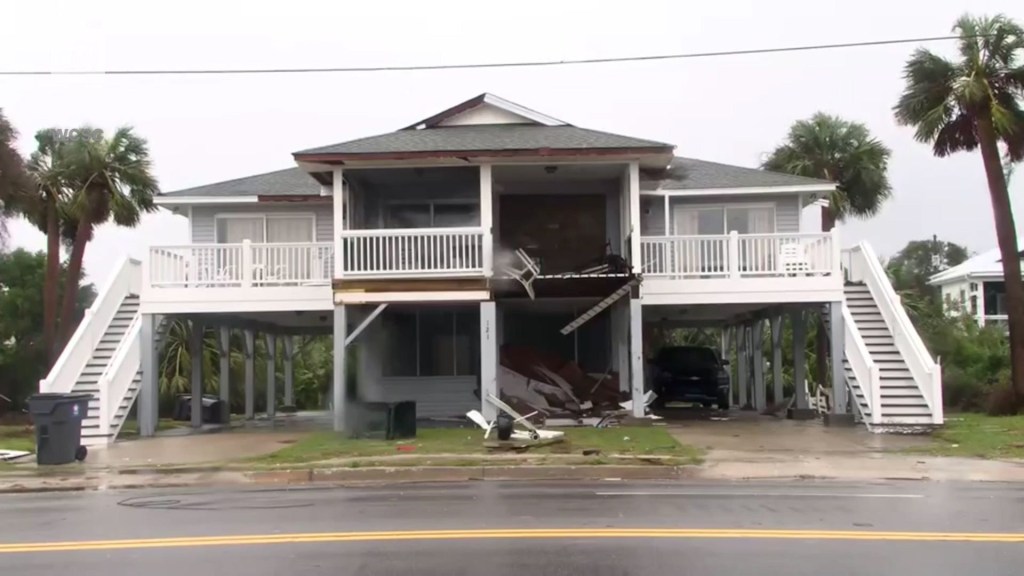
989,263
486,109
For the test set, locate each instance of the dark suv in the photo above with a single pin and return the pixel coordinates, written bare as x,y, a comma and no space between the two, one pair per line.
691,374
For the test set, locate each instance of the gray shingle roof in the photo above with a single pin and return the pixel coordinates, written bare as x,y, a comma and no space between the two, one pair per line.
692,174
485,138
287,182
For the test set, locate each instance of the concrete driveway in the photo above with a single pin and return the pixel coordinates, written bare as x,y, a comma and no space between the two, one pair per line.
192,449
746,431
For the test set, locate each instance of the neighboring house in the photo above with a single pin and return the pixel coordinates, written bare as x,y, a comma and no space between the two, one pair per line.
490,224
975,287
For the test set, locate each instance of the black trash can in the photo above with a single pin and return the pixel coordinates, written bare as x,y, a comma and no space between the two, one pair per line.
213,411
402,420
58,422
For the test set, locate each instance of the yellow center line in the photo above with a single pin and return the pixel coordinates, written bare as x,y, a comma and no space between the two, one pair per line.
539,533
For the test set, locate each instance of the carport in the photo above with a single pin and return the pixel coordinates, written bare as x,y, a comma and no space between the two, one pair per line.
751,337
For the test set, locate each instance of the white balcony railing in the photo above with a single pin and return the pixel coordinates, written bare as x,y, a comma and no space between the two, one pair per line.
412,252
740,255
245,265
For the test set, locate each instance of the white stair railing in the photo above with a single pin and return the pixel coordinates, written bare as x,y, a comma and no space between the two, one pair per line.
125,280
864,266
865,370
118,376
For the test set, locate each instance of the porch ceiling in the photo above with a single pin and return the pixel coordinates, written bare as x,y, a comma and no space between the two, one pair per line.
705,315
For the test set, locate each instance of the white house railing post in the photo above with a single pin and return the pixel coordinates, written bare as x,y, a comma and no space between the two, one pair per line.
338,203
734,254
247,268
486,219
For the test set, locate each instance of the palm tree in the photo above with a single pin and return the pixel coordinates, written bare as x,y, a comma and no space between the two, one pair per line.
14,181
48,165
844,152
975,103
108,179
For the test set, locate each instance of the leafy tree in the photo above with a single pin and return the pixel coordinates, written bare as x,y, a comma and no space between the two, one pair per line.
845,152
919,260
23,359
107,179
14,181
975,103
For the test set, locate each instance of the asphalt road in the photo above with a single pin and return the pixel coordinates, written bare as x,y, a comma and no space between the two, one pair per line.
518,528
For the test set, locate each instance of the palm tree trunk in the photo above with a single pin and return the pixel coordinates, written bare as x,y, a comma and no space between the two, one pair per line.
71,280
52,280
1006,236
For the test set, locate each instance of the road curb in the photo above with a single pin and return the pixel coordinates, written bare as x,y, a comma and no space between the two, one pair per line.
397,475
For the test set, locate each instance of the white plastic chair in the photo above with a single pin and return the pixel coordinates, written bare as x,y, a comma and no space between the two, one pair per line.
527,274
793,259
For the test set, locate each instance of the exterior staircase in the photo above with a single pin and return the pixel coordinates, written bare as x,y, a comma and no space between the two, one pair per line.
89,380
102,358
895,384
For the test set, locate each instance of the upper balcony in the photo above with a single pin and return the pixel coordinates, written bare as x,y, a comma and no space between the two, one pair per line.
742,268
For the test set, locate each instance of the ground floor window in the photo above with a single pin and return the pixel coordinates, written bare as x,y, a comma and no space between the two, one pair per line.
431,342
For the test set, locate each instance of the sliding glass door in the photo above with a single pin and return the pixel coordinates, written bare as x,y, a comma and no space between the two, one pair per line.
708,256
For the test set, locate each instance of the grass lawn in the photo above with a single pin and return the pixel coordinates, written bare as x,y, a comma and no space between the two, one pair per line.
17,438
638,441
980,436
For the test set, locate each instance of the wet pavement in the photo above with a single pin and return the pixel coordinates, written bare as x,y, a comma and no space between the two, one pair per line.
538,528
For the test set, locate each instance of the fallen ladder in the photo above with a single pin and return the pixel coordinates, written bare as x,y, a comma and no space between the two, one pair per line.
611,299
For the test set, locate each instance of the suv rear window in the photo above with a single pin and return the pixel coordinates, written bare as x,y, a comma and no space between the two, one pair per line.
687,356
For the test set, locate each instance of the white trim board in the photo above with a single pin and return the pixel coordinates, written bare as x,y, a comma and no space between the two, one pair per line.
741,191
185,200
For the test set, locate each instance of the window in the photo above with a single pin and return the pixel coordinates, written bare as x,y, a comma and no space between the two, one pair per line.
714,220
259,228
430,343
432,214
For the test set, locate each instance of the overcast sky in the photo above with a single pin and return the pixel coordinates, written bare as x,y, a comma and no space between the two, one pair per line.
204,129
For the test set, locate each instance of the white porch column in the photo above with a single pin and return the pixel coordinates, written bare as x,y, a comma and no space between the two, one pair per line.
338,383
743,359
636,354
149,388
760,386
224,376
271,374
338,201
488,358
837,329
249,338
777,359
799,321
634,218
196,356
487,218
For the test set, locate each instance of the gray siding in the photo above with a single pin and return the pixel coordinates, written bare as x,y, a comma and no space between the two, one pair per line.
435,397
202,220
652,209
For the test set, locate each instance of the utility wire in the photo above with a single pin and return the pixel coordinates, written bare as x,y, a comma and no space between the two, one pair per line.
523,64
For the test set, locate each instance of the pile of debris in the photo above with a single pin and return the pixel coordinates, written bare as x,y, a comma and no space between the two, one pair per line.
532,381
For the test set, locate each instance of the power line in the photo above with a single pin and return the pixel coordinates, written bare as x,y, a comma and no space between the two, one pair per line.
522,64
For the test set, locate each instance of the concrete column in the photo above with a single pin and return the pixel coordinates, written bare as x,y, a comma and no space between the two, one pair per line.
636,350
837,333
149,388
743,365
289,370
776,323
196,356
798,319
250,374
338,394
224,384
271,374
757,355
488,358
731,347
